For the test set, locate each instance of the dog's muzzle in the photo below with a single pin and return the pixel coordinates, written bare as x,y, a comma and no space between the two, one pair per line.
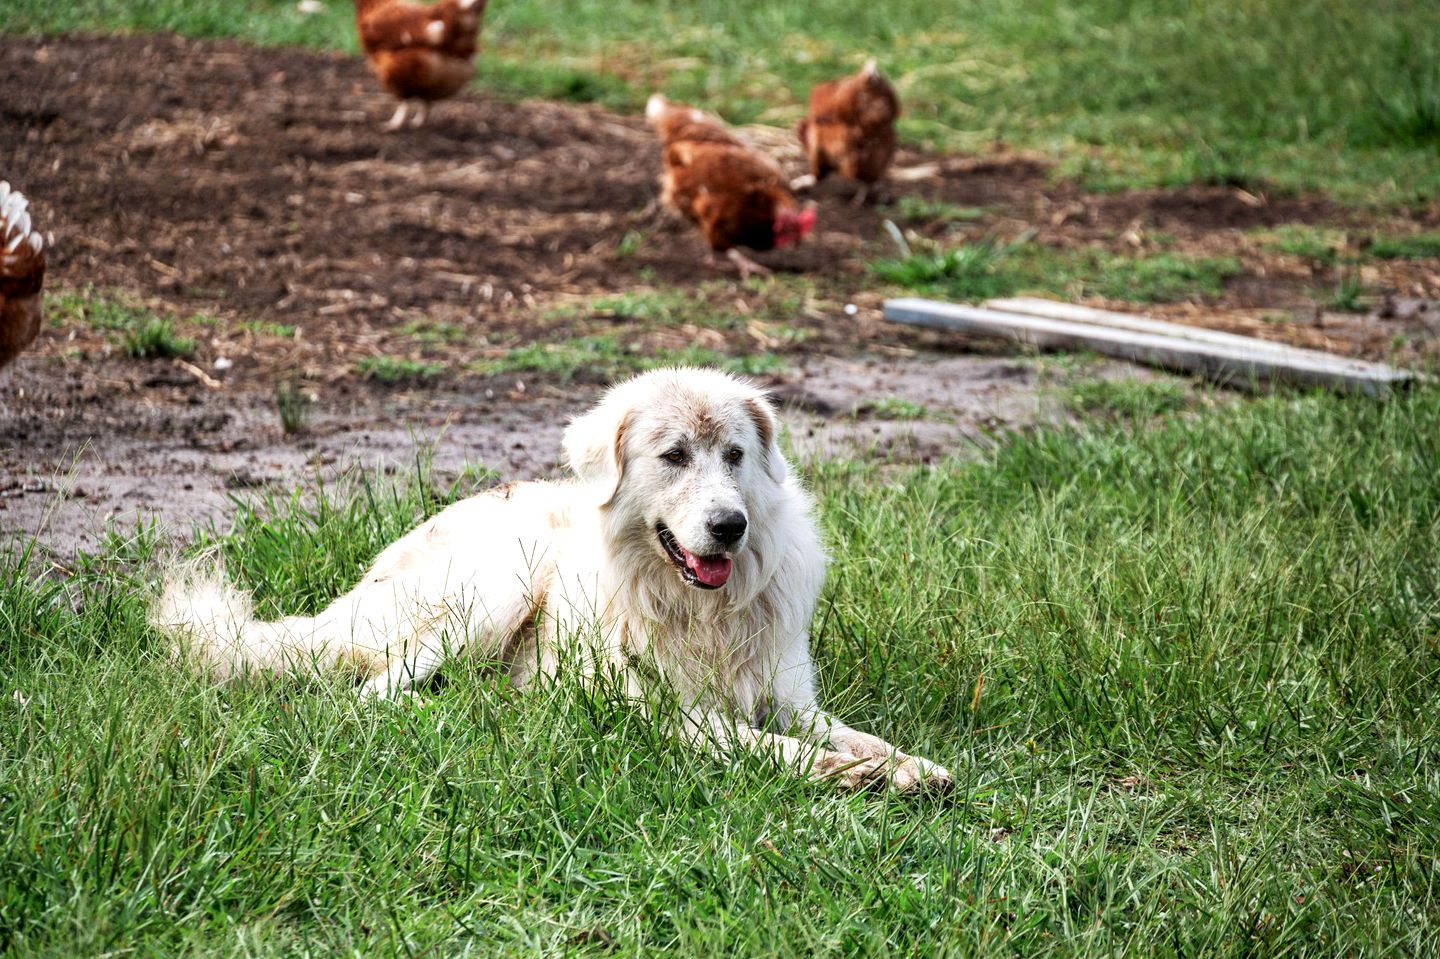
705,572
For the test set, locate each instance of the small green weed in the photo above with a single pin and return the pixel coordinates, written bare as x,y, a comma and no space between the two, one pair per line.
294,403
433,333
629,244
970,272
284,331
396,369
88,307
893,408
155,336
1346,294
140,332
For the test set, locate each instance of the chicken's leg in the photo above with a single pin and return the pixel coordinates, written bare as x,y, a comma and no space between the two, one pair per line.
748,267
397,122
422,113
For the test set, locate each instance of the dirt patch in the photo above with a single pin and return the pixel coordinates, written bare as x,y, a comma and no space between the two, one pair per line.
251,194
217,177
99,455
229,180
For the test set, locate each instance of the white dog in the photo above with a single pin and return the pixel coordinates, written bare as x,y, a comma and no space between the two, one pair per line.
688,550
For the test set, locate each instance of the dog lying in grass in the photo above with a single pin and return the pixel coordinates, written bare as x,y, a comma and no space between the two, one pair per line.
686,551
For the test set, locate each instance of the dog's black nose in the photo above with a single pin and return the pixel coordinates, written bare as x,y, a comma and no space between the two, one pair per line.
727,528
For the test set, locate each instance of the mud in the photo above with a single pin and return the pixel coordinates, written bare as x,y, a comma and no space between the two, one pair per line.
112,466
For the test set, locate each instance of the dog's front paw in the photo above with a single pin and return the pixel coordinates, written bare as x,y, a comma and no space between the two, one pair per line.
850,773
915,775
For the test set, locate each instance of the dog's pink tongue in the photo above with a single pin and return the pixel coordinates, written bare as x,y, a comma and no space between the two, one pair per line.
710,570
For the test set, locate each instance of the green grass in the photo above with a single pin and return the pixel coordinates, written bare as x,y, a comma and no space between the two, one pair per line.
984,269
1417,246
971,272
398,369
284,331
710,304
437,333
603,357
1322,244
1347,292
761,303
138,330
95,309
156,337
629,244
893,408
913,209
1326,94
1328,245
1186,672
294,404
1125,399
1163,278
667,307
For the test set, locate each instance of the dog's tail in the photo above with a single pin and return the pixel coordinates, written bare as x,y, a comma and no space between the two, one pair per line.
212,623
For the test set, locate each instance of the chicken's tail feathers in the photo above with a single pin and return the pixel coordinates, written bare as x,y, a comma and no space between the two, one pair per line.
656,107
22,248
870,69
661,111
211,623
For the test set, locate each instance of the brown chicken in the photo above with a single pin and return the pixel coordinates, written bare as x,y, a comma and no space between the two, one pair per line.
850,129
419,53
22,274
737,197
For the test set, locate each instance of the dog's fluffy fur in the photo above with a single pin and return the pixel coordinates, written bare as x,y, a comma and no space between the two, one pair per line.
686,550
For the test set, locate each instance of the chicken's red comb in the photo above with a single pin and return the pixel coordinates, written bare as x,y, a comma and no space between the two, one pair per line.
792,226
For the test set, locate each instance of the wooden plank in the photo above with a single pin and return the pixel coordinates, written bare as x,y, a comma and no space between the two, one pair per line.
1055,310
1232,364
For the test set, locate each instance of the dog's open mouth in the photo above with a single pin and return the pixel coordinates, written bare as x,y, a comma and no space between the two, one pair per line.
706,572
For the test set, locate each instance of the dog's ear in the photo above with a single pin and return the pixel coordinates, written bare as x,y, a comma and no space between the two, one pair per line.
767,426
595,448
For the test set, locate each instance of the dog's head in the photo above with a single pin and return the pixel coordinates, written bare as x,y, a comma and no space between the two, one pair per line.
682,461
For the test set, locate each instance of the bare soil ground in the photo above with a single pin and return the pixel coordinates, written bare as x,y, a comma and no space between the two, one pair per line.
253,188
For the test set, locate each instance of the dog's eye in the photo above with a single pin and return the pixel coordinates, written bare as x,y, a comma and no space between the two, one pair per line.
676,456
732,456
